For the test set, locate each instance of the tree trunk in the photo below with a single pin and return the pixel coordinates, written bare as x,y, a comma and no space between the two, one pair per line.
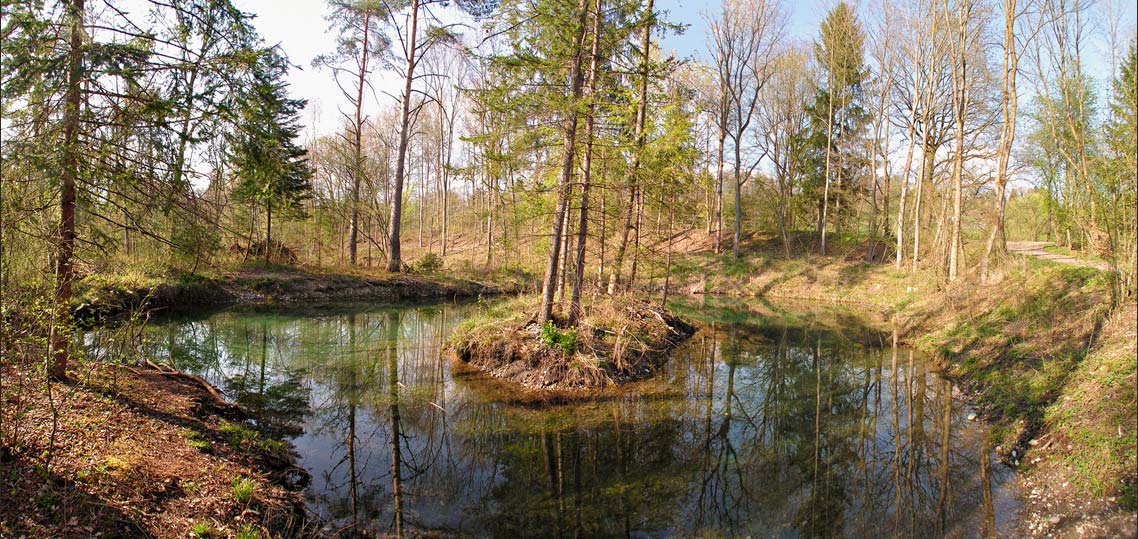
357,150
394,262
719,185
64,266
960,109
996,241
901,202
738,228
549,283
583,222
928,154
268,229
829,146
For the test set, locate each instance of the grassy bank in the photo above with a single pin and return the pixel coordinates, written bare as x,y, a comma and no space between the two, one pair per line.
1053,368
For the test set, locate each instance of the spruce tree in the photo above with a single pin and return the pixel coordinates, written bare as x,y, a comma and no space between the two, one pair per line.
271,168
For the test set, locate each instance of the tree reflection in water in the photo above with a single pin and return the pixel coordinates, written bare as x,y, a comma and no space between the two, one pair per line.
755,428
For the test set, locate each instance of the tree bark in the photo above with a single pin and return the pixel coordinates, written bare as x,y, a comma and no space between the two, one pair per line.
996,241
357,150
638,136
583,222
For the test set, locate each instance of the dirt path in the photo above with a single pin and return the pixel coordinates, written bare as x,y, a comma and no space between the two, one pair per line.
1036,249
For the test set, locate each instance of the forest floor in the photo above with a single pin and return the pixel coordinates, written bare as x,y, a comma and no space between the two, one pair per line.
1038,348
136,452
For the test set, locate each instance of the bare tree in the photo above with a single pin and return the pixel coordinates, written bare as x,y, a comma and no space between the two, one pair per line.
359,42
1013,43
784,117
742,43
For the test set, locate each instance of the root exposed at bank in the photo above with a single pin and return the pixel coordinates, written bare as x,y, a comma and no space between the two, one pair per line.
616,341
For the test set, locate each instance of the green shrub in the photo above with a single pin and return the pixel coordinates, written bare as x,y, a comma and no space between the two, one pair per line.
202,530
248,532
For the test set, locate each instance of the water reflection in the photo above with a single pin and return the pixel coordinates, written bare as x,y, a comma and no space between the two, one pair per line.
755,428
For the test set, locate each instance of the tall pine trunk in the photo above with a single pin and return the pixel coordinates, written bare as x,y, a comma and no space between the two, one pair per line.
634,172
357,150
587,168
549,283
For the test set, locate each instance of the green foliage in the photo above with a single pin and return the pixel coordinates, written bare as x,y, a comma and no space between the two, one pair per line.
248,532
837,115
271,168
552,336
246,439
195,440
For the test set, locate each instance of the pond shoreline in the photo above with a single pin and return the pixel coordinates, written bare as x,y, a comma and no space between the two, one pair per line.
936,323
675,398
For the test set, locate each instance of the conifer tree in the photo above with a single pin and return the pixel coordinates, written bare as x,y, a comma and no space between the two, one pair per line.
272,170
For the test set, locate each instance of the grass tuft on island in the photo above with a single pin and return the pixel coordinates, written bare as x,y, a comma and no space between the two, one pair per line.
618,340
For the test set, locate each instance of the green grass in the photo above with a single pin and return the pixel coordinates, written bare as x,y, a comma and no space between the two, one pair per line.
195,440
243,490
1049,358
248,532
203,530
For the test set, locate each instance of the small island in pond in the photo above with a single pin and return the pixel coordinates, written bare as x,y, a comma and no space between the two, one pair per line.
616,341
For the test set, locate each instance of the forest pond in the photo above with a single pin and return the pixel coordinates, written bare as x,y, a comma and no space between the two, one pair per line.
763,425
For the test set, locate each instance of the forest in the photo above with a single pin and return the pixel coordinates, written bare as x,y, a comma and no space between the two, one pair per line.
504,218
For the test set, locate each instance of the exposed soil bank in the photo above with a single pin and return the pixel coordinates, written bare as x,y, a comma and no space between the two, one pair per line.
617,341
137,452
104,297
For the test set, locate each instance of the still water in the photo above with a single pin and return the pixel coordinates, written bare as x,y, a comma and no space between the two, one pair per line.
761,425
